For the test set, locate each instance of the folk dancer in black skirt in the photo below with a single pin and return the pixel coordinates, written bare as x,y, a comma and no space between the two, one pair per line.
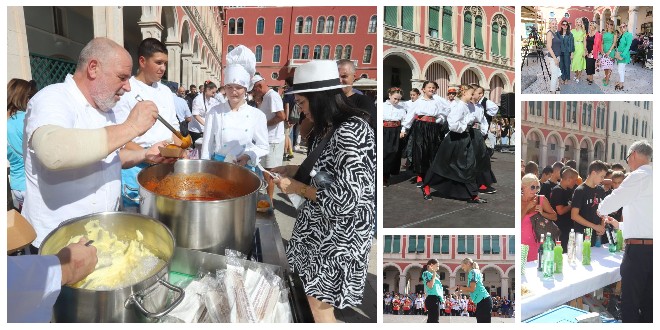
484,108
393,114
461,155
427,119
405,142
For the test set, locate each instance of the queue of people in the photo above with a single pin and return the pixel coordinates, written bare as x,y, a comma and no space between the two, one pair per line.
609,195
579,47
86,136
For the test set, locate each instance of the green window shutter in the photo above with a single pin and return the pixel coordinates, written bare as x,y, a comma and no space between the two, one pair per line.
445,244
486,243
407,17
390,15
467,27
470,244
396,245
495,39
436,243
446,23
478,38
512,244
434,21
496,244
421,239
388,244
503,42
412,246
461,244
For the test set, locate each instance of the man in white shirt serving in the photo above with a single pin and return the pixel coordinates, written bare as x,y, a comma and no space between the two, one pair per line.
635,195
72,140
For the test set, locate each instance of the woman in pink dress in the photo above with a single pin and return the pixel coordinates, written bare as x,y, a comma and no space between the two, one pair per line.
530,204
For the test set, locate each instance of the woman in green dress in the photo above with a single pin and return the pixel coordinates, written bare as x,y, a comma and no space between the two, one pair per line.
607,58
578,62
622,53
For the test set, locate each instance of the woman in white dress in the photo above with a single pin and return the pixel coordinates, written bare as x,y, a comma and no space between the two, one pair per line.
201,105
393,114
235,131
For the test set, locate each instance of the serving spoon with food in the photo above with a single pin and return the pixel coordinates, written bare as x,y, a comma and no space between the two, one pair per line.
186,141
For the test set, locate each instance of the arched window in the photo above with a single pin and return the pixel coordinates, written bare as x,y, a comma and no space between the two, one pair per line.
320,27
258,52
391,13
296,52
232,26
467,26
494,47
407,17
503,32
372,24
351,24
434,21
330,25
305,52
239,26
339,52
347,52
230,48
299,25
278,25
317,52
276,54
326,52
614,123
342,24
308,24
367,54
260,25
447,13
478,37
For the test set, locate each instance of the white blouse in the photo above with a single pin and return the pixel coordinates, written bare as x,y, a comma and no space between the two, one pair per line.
199,108
460,117
393,112
424,107
491,107
480,118
235,132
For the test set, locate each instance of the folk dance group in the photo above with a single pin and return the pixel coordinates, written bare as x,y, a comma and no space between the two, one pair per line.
444,139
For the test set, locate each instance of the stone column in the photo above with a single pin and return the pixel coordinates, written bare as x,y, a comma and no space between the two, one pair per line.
523,148
109,23
151,30
186,70
416,83
173,61
195,73
602,22
590,154
203,73
452,282
632,19
18,58
543,156
560,154
402,283
505,286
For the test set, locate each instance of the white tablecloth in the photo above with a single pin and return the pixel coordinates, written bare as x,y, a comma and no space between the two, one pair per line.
574,282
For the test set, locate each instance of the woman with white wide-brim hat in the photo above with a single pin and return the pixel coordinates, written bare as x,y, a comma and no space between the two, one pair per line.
332,235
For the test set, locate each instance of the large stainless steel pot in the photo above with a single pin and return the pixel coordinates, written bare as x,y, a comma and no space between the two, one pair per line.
133,303
209,226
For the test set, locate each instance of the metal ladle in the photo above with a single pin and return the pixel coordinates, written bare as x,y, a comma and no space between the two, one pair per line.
186,141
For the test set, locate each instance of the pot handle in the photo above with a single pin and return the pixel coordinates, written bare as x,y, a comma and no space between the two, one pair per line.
262,186
125,194
133,299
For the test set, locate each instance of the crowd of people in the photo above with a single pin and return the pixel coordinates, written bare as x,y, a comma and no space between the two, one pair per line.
606,197
73,145
581,48
446,142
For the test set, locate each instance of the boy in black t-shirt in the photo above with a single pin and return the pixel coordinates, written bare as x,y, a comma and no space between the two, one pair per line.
560,200
586,199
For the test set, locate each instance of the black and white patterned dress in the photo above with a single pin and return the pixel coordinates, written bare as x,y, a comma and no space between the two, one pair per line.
331,239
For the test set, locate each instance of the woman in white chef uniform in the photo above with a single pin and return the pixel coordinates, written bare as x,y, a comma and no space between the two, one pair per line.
235,131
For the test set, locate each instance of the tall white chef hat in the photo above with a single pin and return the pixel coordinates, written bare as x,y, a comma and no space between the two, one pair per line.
241,66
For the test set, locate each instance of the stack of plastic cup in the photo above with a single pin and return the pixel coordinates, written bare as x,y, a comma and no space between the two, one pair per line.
524,250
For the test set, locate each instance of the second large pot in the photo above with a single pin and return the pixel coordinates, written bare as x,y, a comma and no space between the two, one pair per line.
206,224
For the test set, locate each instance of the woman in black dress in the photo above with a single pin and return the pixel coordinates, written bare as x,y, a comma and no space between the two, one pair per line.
485,178
393,115
455,166
594,47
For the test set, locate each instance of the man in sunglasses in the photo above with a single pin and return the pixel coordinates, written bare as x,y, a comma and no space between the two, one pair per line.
635,195
586,199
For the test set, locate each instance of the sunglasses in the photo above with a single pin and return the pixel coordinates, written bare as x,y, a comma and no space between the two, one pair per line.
564,24
534,187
